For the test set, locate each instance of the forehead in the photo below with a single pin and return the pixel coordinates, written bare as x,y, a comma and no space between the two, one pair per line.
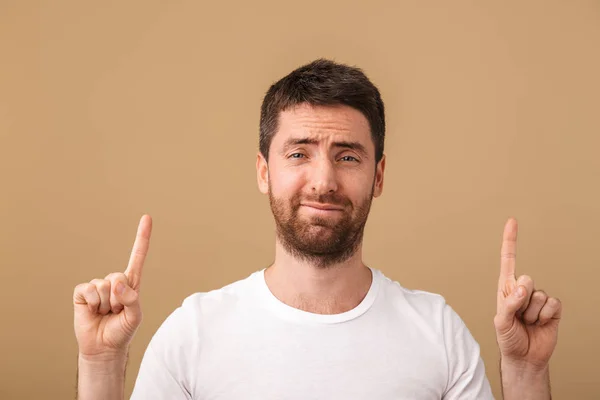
325,123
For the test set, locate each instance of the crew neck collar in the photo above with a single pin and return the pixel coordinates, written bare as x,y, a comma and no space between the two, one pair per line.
296,315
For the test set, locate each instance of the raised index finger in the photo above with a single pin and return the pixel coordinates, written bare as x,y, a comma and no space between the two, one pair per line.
139,251
508,255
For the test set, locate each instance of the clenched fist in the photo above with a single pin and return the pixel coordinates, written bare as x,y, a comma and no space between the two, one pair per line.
107,311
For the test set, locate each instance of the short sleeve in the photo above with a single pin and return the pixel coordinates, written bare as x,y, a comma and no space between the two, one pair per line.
168,367
155,381
466,370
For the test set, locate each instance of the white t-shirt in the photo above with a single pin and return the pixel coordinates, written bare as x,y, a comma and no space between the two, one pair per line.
241,343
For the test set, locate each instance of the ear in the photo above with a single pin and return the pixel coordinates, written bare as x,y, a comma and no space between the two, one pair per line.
262,173
379,169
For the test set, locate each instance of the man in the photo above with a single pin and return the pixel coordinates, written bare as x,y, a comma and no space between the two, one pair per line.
318,323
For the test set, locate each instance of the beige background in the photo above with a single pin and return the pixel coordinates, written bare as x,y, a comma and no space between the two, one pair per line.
112,109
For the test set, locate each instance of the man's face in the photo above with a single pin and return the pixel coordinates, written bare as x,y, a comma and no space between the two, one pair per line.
321,178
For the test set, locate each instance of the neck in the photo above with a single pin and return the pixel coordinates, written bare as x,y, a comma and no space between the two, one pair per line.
331,290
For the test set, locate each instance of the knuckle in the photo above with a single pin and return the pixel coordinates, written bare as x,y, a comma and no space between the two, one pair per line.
103,285
540,295
114,276
80,288
79,292
100,284
525,280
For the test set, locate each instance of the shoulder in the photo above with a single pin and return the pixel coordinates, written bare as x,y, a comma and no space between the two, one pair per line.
423,307
201,309
215,302
423,302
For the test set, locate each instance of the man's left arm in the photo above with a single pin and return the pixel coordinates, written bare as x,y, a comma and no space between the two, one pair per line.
526,325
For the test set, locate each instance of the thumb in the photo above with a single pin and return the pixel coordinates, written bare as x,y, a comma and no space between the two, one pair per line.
511,304
131,302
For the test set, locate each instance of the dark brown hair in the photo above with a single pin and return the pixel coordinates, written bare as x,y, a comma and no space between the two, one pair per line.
323,82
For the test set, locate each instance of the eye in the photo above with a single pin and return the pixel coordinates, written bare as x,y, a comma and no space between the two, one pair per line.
349,158
296,155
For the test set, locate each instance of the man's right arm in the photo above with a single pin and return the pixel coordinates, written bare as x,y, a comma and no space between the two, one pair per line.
107,314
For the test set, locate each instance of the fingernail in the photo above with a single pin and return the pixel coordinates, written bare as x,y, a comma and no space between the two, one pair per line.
520,291
120,288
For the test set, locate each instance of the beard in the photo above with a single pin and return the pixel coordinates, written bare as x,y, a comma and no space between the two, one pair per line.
320,241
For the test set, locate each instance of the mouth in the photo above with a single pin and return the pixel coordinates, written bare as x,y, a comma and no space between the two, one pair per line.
322,207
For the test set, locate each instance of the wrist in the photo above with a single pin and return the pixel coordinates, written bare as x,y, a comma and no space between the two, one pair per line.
525,368
105,363
523,380
101,376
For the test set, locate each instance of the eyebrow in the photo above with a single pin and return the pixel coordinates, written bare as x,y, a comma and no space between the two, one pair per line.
344,144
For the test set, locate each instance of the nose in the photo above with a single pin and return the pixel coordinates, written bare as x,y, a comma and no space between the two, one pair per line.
323,179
